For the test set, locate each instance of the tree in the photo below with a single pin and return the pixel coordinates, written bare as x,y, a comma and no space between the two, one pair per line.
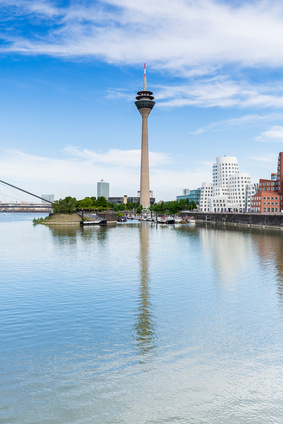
101,201
86,203
67,205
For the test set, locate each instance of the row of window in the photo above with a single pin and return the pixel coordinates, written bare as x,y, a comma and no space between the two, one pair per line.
267,210
265,198
267,184
265,203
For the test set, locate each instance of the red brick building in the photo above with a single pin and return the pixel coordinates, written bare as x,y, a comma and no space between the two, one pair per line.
267,185
266,202
266,199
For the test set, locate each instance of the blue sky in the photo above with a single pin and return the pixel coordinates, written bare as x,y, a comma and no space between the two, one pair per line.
70,71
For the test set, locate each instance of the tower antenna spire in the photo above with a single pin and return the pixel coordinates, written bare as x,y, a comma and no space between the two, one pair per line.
144,77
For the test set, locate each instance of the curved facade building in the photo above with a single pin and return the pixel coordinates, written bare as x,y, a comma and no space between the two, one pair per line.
230,191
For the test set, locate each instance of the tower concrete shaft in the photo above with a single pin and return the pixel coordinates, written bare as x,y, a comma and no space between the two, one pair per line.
144,103
144,177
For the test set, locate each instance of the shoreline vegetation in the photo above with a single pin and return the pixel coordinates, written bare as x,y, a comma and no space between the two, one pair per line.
65,211
59,219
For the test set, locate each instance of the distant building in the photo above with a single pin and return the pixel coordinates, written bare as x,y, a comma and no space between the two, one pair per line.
230,190
48,197
125,199
191,195
103,189
273,176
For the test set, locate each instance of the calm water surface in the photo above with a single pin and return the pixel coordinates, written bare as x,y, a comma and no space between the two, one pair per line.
140,324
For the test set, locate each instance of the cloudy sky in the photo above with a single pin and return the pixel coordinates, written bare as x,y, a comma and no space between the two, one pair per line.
70,71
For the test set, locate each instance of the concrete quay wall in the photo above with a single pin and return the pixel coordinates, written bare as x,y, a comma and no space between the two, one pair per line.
246,219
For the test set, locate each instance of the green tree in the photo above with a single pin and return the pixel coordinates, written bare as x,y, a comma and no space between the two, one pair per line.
86,203
101,201
67,205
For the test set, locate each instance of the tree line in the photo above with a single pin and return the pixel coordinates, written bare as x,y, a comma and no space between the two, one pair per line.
71,205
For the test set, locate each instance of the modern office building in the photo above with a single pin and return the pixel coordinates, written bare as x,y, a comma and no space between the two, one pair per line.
144,103
103,189
191,195
229,190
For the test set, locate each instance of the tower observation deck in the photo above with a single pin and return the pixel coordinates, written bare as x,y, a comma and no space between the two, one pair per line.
144,103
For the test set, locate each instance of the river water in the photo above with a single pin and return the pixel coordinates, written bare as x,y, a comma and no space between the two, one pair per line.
139,323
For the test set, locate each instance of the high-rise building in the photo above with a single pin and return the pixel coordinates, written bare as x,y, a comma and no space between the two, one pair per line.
103,189
144,103
230,190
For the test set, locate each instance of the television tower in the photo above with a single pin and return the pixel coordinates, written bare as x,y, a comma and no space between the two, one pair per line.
144,103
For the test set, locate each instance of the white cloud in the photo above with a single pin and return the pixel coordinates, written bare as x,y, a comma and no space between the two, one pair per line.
240,122
271,158
195,37
115,157
275,134
187,38
220,92
78,171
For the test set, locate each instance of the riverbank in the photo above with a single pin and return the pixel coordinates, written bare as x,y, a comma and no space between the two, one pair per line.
238,219
62,219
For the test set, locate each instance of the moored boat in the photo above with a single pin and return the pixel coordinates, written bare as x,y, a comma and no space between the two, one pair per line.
178,220
96,221
170,220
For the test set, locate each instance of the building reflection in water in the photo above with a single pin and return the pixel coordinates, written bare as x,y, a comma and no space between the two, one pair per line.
269,247
144,326
232,250
229,251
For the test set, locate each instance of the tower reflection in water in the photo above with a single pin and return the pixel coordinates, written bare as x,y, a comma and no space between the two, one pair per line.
145,319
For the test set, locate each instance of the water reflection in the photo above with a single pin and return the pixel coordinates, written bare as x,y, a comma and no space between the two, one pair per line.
269,249
70,234
229,250
100,233
65,232
144,326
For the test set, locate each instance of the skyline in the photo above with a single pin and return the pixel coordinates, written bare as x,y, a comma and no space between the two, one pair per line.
70,71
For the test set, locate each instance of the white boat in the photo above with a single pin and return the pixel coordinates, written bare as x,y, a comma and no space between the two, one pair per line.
191,221
178,220
97,221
